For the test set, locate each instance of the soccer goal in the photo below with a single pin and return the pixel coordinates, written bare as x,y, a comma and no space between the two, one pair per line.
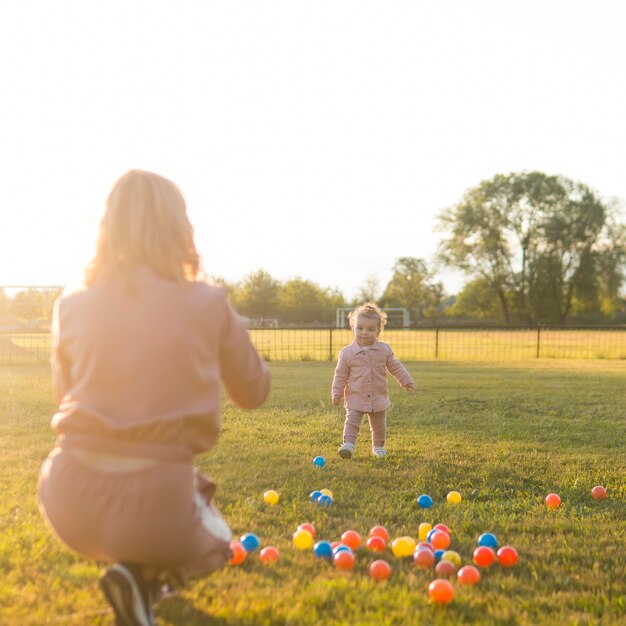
397,317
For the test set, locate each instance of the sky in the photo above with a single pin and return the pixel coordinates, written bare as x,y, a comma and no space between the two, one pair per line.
310,139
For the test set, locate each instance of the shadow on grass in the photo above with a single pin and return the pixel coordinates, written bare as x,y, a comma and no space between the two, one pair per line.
182,612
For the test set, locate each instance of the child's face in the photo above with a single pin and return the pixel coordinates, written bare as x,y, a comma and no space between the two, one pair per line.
366,330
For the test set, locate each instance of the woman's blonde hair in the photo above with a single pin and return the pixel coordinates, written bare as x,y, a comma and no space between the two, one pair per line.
145,223
371,311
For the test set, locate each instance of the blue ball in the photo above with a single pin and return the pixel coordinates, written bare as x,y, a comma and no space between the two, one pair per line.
489,540
323,549
325,501
315,496
430,534
425,501
250,542
342,547
320,461
438,555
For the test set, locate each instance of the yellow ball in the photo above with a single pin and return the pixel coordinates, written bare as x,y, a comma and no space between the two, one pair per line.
327,492
454,497
425,528
302,539
451,555
271,497
403,546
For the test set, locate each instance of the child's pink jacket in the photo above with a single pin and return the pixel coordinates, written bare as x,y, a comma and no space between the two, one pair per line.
361,376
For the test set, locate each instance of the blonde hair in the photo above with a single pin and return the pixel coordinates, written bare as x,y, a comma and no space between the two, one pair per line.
145,223
371,311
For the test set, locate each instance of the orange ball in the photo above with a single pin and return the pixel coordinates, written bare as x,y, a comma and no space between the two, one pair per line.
379,531
309,527
507,556
269,554
351,538
380,570
239,553
424,558
553,501
376,544
484,556
445,568
440,540
468,575
441,591
598,492
344,560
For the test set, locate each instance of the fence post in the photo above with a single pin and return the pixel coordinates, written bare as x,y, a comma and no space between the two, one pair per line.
330,344
436,343
538,339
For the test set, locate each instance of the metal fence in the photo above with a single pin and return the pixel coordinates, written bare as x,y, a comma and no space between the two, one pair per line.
415,344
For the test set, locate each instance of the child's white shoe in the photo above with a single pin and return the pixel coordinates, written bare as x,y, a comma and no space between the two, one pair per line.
379,452
346,451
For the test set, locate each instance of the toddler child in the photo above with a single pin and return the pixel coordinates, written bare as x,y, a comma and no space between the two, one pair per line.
361,379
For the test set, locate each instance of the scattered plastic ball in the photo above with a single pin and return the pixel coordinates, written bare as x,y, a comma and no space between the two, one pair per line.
454,497
484,556
438,554
425,501
442,527
315,495
598,492
351,538
553,501
327,492
380,570
320,461
507,556
323,549
440,540
269,554
309,527
376,544
441,591
344,559
403,546
341,547
379,531
249,541
424,529
426,545
489,540
468,575
446,569
239,553
271,497
424,558
451,555
325,501
302,539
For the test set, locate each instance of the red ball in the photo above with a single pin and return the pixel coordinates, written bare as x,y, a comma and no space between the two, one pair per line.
379,531
239,553
598,492
440,540
376,544
468,575
553,501
441,591
442,527
445,569
484,556
507,556
380,570
424,544
424,558
351,538
269,554
344,560
309,527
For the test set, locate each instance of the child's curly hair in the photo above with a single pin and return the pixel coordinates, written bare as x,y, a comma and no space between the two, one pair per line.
370,310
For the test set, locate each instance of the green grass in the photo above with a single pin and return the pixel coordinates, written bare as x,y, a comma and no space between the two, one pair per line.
512,431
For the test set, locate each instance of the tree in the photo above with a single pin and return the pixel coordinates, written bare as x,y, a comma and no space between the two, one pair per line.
370,289
257,296
477,300
535,235
305,302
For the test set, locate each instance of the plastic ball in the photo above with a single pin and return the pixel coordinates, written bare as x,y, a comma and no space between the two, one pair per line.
239,553
341,547
325,501
271,497
319,461
380,570
507,556
334,544
344,559
553,501
441,591
489,540
438,554
249,541
424,558
454,497
323,549
403,546
446,569
426,545
484,556
376,544
269,554
315,495
423,531
598,492
302,539
379,531
309,527
327,492
451,555
468,575
425,501
442,527
351,538
440,540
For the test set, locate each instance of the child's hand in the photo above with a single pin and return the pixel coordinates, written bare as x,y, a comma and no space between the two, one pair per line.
336,401
410,388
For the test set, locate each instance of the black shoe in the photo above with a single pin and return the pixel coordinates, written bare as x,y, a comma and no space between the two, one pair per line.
128,594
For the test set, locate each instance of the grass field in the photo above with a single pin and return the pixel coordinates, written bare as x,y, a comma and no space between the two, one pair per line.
511,431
